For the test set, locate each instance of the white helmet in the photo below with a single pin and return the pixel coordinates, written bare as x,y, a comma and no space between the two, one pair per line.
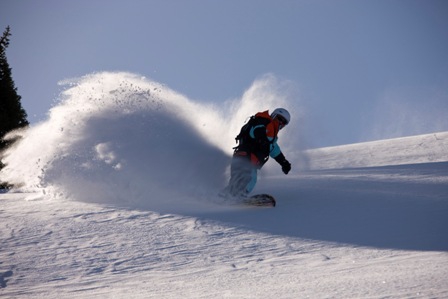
283,113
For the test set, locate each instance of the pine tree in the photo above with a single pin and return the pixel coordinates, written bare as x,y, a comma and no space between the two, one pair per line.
12,115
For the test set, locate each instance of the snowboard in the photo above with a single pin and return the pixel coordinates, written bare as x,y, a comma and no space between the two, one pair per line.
260,200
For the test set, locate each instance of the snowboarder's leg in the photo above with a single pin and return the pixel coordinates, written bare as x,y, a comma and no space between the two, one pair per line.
243,177
253,181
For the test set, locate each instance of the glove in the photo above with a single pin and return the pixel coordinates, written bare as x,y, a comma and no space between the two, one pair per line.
286,166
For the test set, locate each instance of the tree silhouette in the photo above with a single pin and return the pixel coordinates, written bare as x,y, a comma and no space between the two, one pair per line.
12,115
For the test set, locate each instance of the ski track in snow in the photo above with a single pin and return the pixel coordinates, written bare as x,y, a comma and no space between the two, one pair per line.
117,201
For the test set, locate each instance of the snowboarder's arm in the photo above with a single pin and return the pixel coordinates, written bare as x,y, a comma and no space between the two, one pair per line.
286,166
275,150
258,133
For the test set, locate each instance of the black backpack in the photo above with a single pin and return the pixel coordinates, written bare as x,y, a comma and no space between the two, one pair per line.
246,143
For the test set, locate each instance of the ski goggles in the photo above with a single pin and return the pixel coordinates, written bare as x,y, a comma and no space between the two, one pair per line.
283,122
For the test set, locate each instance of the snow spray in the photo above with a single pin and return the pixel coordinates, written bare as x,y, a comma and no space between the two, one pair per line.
122,138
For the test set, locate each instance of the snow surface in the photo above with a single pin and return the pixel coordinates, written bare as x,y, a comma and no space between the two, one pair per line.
427,148
117,200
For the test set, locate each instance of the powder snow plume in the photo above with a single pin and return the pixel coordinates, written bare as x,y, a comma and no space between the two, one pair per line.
123,139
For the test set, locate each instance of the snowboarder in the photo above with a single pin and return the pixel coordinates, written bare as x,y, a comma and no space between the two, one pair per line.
257,142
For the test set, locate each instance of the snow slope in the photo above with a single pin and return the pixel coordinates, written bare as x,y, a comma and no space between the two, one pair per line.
117,199
428,148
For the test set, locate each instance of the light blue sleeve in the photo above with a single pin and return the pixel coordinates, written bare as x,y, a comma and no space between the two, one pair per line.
251,132
275,149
